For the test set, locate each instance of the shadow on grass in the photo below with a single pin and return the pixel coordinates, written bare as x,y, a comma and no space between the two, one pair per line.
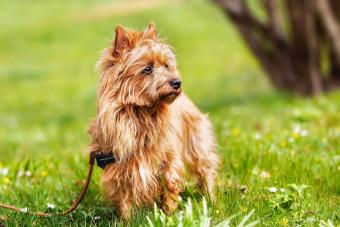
229,93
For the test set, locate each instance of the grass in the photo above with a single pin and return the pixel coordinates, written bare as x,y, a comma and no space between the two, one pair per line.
268,141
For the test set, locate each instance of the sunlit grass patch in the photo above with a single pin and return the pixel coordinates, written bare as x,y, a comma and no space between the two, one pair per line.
196,217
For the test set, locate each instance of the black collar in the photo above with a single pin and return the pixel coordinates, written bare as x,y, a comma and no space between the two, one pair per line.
104,159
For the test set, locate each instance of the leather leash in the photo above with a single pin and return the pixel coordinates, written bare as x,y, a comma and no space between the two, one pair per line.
75,203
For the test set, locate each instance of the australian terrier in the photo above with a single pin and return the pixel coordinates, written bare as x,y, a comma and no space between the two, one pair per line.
153,129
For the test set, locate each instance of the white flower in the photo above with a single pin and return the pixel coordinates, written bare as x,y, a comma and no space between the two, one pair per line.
304,133
255,171
257,136
264,175
272,189
24,210
96,218
20,173
297,129
50,206
4,171
28,173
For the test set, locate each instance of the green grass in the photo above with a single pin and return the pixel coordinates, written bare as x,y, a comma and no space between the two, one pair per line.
48,95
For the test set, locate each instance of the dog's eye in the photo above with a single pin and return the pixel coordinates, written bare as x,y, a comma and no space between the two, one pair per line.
147,70
166,66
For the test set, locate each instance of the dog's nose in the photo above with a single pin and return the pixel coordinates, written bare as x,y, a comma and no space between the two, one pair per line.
175,83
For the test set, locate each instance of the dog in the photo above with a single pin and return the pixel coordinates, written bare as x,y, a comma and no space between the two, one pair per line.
155,132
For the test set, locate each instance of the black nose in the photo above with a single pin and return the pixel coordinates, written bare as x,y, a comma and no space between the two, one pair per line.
175,84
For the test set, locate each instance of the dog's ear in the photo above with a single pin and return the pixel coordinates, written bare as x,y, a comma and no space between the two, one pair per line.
121,41
151,32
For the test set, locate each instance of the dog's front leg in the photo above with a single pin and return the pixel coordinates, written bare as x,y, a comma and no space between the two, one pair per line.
172,185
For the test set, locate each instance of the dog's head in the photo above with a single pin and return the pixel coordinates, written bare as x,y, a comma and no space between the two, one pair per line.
139,69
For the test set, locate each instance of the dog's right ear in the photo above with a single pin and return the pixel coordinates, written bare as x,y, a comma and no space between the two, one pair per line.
121,41
151,31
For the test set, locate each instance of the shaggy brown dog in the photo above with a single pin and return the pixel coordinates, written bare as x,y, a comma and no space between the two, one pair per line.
153,129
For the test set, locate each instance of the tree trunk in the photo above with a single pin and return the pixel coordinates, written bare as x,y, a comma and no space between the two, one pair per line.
290,43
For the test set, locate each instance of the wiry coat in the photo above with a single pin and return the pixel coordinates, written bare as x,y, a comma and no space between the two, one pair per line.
155,130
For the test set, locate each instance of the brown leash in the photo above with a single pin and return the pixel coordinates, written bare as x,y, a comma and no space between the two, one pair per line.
75,203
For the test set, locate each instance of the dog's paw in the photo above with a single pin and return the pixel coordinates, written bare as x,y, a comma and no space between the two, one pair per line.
124,212
169,203
124,215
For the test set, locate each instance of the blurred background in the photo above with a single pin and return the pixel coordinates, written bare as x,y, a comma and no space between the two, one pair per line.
267,137
49,50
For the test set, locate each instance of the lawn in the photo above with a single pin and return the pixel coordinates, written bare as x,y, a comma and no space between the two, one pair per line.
280,153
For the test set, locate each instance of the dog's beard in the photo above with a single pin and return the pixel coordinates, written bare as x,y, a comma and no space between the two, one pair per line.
169,97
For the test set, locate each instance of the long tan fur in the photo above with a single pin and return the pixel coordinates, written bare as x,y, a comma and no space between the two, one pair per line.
156,132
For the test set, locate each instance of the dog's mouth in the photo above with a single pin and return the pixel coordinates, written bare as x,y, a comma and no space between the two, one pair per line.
170,97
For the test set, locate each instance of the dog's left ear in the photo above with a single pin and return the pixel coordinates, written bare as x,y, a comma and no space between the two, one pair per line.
121,41
151,32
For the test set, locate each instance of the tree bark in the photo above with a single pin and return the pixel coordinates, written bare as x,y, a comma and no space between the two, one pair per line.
288,45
